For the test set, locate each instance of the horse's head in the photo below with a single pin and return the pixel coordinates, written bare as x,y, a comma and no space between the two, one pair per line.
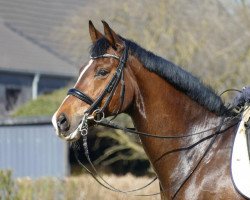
100,88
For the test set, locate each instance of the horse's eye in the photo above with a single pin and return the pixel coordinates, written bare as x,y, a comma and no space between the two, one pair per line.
101,72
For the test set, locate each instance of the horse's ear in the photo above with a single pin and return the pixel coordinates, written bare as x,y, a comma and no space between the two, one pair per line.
115,41
94,33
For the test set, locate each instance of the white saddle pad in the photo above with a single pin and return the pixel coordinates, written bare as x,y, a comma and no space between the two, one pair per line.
240,163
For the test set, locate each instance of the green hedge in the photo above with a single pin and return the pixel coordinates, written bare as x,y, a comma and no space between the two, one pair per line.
43,105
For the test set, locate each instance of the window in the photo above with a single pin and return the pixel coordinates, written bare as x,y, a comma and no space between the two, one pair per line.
11,98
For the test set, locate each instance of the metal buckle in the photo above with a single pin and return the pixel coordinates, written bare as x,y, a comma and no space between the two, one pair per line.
238,109
98,115
83,127
84,131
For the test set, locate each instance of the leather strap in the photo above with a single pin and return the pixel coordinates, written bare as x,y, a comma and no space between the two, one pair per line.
80,95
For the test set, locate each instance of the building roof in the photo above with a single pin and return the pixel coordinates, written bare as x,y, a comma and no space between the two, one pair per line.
26,30
21,55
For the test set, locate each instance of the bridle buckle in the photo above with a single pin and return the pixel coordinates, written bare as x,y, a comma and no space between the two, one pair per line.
83,127
98,115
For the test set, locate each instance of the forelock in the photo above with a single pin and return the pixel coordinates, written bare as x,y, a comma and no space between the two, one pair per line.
100,47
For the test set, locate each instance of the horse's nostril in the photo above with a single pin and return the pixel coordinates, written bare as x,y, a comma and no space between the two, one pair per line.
63,123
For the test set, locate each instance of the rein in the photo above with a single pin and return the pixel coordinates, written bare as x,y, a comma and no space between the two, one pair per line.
96,113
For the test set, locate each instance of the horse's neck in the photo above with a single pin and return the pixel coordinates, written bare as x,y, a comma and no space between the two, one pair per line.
161,109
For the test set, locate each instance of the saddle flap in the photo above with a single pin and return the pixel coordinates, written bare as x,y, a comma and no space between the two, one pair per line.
240,161
247,125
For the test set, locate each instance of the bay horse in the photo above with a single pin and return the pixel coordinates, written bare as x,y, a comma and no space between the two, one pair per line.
162,99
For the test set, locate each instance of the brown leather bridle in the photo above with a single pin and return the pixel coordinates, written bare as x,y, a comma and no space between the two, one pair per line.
96,113
108,90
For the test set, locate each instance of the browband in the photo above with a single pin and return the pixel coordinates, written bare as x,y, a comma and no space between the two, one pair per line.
106,55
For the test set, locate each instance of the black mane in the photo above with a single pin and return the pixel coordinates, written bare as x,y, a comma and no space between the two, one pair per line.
176,76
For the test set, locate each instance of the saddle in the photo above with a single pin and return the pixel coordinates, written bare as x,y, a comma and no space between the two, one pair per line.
247,125
240,160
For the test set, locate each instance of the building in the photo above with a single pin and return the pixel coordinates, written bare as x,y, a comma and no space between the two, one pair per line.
27,70
33,60
29,148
